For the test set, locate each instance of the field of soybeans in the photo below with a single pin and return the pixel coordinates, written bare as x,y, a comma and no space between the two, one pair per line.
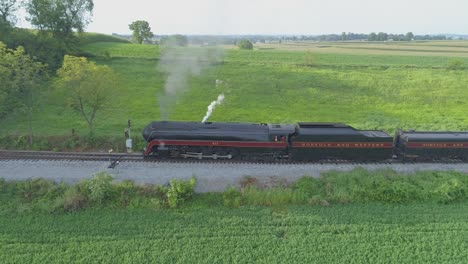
409,85
419,233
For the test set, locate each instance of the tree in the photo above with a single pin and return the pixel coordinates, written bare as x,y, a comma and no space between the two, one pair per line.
382,36
141,31
7,9
343,36
21,77
61,17
372,36
245,44
90,86
409,36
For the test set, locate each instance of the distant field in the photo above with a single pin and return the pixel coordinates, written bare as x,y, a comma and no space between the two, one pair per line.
415,48
422,233
370,86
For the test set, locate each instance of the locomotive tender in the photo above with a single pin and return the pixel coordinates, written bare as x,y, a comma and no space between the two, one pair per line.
298,142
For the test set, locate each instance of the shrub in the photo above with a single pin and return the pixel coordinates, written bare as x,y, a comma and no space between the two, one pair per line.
180,191
126,191
245,44
450,190
74,200
33,189
232,197
309,186
99,189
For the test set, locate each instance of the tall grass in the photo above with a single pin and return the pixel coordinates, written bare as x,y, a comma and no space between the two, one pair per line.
357,186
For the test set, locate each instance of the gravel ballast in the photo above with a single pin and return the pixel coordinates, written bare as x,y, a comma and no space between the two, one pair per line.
211,177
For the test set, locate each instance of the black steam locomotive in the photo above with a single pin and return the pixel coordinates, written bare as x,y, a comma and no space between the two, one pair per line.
298,142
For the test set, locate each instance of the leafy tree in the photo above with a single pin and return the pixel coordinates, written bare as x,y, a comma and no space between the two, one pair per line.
61,17
7,9
343,36
141,31
90,86
21,76
245,44
372,37
382,36
409,36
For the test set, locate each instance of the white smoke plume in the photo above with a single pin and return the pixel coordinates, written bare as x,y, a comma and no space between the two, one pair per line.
212,106
181,63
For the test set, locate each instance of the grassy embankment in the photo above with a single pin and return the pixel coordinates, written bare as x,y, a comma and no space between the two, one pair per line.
369,86
386,222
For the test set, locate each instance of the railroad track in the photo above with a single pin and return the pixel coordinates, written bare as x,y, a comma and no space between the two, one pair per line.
51,155
138,157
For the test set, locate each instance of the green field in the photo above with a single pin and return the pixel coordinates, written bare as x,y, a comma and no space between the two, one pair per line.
425,233
342,217
369,86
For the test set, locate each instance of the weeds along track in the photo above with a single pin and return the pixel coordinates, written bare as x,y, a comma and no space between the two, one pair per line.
138,157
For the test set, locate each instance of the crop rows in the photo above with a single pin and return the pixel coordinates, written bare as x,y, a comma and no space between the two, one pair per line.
346,233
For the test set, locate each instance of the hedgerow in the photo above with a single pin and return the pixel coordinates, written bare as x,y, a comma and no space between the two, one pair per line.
357,186
99,191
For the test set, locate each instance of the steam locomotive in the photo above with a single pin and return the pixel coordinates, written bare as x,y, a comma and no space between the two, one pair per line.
298,142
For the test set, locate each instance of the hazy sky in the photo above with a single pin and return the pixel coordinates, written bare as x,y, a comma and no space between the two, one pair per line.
282,17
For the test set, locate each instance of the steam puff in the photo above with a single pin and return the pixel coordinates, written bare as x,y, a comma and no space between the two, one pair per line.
181,63
212,106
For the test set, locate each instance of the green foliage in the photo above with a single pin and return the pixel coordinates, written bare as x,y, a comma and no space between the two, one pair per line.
99,189
7,13
73,200
60,17
141,31
309,186
20,76
456,64
33,189
232,197
91,86
180,191
245,44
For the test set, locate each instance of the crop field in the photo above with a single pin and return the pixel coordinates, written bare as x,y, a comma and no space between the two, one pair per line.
424,233
369,86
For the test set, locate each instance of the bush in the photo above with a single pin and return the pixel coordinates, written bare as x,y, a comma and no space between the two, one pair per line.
309,186
34,189
180,191
232,197
74,200
99,189
245,44
126,192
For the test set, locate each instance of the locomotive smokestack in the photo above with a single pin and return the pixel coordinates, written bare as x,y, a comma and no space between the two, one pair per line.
212,106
